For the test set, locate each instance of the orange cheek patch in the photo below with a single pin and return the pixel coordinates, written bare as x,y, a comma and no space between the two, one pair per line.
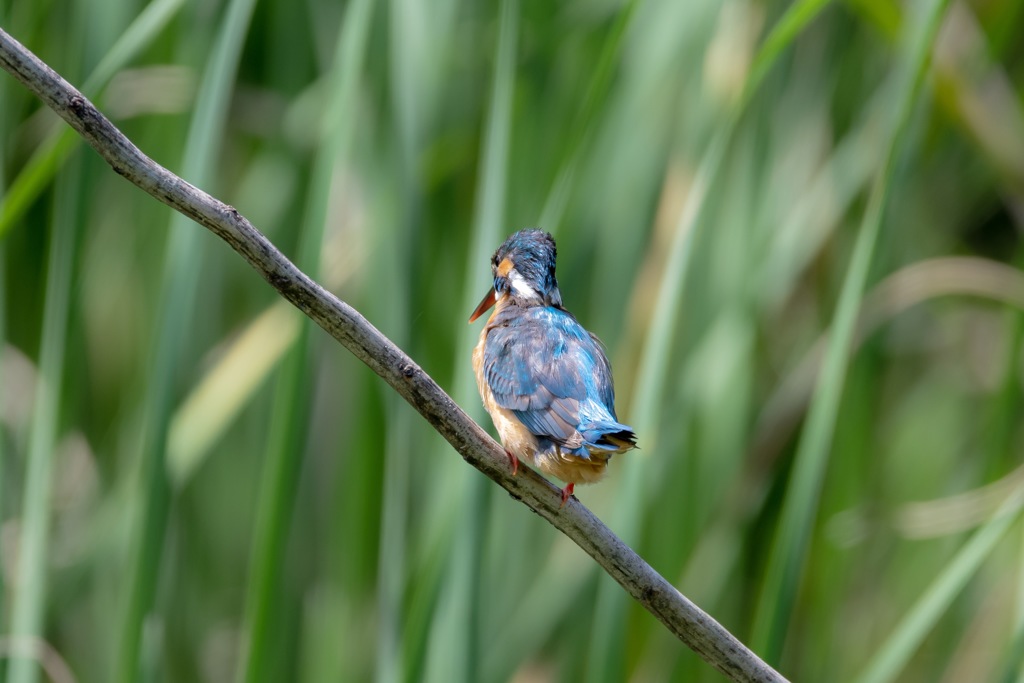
504,267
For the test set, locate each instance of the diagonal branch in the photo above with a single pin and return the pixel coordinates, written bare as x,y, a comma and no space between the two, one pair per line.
688,622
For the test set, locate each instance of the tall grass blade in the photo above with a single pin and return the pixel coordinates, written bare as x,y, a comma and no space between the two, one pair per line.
417,38
895,651
788,28
1014,667
181,274
609,620
33,557
454,636
407,58
799,509
204,416
291,407
4,121
593,102
260,652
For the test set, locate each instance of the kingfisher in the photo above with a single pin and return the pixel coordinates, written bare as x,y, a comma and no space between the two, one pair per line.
544,379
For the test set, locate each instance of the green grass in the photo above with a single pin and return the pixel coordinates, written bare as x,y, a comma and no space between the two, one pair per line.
27,606
197,485
785,565
182,267
291,408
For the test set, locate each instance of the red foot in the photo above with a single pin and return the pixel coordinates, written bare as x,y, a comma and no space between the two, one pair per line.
566,493
513,460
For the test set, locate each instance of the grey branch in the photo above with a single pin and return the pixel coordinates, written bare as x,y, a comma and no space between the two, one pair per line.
683,618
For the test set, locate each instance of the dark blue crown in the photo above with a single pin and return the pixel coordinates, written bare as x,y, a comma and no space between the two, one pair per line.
532,253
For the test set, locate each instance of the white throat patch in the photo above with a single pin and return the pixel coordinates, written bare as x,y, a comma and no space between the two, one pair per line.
520,287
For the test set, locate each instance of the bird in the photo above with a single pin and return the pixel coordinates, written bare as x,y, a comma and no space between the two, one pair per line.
544,379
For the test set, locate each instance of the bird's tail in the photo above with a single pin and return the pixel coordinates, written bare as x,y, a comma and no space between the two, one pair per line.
609,436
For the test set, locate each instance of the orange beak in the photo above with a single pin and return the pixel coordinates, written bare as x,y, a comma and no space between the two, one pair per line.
489,300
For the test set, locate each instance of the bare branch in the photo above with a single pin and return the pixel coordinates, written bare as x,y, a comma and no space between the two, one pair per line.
687,621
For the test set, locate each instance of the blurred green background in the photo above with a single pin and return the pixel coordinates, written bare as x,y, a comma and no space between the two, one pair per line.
797,228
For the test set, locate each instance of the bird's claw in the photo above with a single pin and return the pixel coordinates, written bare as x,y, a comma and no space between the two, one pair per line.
566,494
513,460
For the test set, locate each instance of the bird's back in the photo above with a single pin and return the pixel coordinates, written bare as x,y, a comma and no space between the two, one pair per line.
542,367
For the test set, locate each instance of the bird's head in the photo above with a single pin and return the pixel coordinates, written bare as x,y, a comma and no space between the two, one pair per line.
524,270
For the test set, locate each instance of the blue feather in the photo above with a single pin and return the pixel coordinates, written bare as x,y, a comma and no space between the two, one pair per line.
555,378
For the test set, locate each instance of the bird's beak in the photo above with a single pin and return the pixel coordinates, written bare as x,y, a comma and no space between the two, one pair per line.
489,300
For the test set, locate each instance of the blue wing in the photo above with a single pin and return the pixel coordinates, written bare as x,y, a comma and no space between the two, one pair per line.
555,378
